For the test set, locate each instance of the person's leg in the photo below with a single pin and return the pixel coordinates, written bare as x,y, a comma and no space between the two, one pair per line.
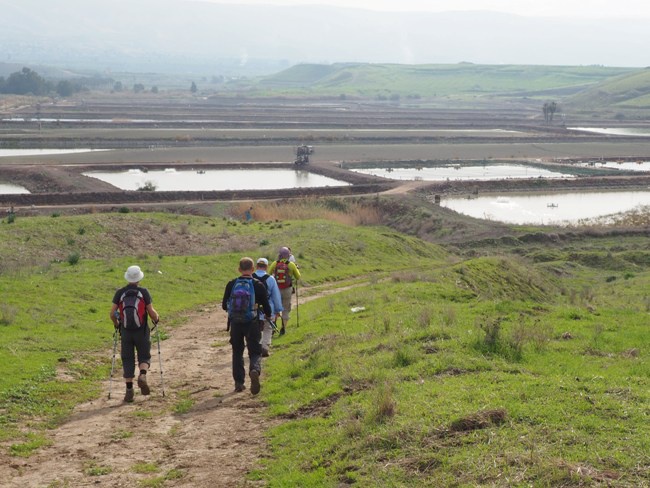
237,334
143,348
127,355
285,294
267,334
253,337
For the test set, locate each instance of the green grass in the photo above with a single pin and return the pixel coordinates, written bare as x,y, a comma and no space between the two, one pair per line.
517,364
47,307
414,81
406,393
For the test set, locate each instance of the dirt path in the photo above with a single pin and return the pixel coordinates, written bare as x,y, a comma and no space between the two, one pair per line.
214,444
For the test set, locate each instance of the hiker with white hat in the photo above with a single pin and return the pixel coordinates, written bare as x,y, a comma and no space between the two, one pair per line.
132,305
275,300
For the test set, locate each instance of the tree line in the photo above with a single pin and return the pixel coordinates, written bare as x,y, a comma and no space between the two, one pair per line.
29,82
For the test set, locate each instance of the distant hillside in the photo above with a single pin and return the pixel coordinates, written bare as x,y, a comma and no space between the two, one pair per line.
629,91
235,39
463,79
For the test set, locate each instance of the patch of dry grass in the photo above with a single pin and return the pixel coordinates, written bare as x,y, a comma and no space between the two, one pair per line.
343,211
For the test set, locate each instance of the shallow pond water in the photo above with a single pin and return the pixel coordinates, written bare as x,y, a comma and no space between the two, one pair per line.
552,208
640,165
215,180
616,131
8,189
462,172
42,152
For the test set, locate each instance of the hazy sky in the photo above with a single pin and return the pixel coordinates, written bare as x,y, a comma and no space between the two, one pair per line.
557,8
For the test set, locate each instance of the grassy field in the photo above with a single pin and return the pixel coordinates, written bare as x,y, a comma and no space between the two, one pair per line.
414,81
520,364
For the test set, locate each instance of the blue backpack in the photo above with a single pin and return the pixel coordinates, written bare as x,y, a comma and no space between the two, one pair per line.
241,304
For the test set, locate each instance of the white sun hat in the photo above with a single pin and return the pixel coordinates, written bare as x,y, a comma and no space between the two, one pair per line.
133,274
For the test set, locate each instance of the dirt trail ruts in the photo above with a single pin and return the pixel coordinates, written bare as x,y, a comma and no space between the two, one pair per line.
214,444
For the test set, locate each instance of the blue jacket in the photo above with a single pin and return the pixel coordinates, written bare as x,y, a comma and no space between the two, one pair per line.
275,300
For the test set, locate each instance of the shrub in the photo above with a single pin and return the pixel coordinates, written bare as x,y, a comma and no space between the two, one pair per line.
384,405
73,258
148,186
124,210
11,218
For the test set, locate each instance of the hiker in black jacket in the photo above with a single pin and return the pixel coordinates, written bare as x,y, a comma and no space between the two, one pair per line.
240,299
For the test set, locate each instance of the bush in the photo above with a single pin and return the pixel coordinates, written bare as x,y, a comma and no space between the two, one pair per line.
148,186
124,210
73,258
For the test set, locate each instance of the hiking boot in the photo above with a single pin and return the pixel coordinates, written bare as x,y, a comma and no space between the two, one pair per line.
240,387
265,352
255,382
142,384
282,331
128,396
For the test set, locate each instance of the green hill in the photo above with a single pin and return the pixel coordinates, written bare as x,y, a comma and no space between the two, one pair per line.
464,79
630,91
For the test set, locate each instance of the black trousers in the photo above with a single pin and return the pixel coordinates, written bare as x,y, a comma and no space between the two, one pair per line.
138,339
245,335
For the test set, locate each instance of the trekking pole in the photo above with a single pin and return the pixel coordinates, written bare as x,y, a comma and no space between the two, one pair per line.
162,381
297,307
110,381
274,326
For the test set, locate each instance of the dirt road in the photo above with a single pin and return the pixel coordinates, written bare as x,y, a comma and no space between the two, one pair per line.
109,443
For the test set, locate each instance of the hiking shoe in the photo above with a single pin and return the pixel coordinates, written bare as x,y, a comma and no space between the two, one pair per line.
265,352
240,387
128,396
255,382
142,384
282,331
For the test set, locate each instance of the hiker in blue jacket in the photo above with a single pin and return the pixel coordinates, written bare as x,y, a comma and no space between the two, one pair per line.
275,300
239,300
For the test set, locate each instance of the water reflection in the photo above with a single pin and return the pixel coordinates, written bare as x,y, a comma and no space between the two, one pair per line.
462,172
616,131
8,189
41,152
622,165
215,180
554,208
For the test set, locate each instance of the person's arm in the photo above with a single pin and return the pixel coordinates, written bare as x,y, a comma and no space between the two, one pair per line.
114,316
276,298
226,296
152,313
262,299
294,271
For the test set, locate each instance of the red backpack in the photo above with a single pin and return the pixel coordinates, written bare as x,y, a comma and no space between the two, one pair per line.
282,274
132,309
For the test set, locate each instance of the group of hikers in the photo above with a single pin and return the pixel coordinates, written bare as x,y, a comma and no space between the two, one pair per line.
255,300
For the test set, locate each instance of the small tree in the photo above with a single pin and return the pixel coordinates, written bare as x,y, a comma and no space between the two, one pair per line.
193,88
549,109
138,88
